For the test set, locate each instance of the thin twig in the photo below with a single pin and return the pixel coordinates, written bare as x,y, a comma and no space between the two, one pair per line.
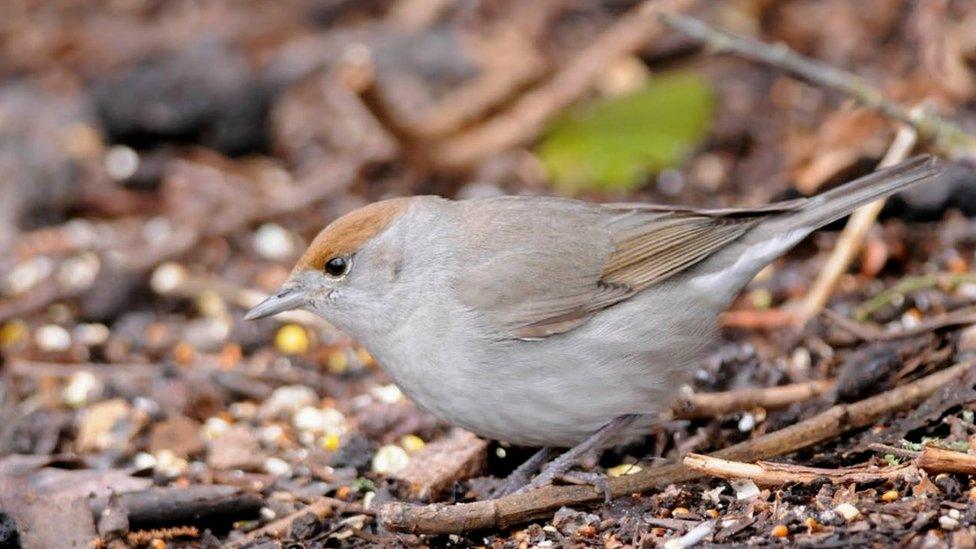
707,405
947,136
765,473
872,332
852,237
908,285
518,508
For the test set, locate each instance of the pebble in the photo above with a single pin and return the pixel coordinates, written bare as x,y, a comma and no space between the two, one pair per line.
92,334
319,420
948,523
108,425
213,427
121,162
390,459
167,277
744,488
169,464
80,271
27,274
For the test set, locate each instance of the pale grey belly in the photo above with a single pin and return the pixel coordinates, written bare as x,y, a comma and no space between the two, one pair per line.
558,391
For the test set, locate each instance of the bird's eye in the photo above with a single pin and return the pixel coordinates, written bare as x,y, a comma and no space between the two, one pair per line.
336,267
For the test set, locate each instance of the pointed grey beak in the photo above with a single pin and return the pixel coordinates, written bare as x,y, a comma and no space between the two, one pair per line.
285,300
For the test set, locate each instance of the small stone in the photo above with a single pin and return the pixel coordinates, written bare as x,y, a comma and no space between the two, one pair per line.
169,464
26,275
390,459
179,435
214,427
948,523
848,511
291,339
237,448
108,425
744,488
52,338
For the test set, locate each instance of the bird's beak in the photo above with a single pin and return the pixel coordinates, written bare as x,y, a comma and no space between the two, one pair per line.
286,299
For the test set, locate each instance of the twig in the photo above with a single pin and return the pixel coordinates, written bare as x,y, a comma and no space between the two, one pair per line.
320,509
899,452
908,285
765,473
851,238
707,405
872,332
937,460
190,505
693,537
526,119
947,136
518,508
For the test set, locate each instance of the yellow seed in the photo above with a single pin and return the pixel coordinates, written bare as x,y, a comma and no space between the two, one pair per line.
338,361
889,496
291,339
713,513
13,332
780,531
680,512
623,470
331,442
412,443
157,543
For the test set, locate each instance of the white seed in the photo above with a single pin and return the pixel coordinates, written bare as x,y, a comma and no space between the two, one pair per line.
387,394
91,334
277,467
273,242
143,461
167,277
26,275
848,511
390,459
52,337
948,523
214,427
121,162
747,423
169,464
79,272
81,387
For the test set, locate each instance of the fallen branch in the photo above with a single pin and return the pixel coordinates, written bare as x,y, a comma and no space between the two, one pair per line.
191,505
518,508
707,405
765,473
947,136
526,119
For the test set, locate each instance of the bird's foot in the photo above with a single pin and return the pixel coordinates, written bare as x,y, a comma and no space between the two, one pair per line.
523,473
572,457
594,479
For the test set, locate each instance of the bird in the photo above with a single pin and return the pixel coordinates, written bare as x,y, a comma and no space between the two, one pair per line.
544,321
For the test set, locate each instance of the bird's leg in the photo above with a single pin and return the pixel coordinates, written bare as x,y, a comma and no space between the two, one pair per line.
597,441
521,475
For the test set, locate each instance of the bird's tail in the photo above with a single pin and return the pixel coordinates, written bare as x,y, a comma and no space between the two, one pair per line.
834,204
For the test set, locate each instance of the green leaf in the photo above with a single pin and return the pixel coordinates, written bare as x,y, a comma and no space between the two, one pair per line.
614,144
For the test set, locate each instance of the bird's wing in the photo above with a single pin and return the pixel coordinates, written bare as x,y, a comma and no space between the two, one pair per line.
532,284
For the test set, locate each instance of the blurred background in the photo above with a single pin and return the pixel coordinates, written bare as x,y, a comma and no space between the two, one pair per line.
164,162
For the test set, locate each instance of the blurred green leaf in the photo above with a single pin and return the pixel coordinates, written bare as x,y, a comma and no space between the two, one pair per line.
616,143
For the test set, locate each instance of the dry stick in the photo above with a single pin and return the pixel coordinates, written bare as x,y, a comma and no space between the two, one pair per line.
852,237
518,508
947,136
872,332
765,473
525,120
707,405
939,460
320,509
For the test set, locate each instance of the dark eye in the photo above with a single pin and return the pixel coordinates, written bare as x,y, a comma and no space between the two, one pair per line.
337,266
